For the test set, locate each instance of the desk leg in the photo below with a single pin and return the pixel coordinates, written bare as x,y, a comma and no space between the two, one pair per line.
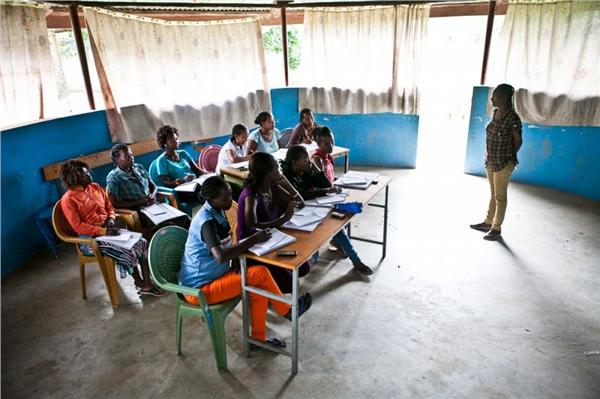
245,310
295,321
346,163
385,221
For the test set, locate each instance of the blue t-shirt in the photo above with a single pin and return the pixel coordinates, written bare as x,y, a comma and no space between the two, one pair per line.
262,145
174,170
199,266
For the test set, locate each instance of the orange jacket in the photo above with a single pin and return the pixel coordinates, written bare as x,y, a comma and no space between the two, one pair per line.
87,209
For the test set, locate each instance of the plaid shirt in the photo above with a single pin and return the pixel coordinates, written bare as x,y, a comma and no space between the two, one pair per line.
500,144
128,186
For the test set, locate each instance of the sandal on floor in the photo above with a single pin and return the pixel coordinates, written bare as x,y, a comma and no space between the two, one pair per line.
154,291
272,341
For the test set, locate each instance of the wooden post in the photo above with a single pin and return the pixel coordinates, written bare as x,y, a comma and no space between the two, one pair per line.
81,51
488,39
285,45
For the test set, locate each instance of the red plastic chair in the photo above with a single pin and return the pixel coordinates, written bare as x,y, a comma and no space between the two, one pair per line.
209,156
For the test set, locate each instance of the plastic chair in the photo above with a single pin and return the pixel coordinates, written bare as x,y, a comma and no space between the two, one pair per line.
209,157
286,135
186,207
65,232
231,215
165,254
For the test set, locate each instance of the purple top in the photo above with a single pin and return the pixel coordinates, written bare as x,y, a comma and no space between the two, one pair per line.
264,213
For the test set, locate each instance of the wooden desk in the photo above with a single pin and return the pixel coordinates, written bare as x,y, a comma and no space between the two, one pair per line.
241,174
306,245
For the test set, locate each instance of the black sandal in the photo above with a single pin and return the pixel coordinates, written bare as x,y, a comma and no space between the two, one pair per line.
272,341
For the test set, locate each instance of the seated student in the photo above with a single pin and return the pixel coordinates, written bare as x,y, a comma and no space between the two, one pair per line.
174,166
312,183
129,186
322,156
268,200
264,139
236,148
303,132
89,212
209,254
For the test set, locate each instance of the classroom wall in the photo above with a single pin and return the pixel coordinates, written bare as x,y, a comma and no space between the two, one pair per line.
384,139
565,158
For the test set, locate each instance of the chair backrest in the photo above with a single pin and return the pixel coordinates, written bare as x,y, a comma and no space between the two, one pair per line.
231,215
165,254
153,172
61,225
209,156
286,135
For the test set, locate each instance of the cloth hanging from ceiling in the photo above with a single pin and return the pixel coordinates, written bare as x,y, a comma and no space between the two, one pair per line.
551,50
201,77
363,59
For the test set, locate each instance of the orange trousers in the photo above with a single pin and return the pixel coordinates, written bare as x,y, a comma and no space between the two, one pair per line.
229,286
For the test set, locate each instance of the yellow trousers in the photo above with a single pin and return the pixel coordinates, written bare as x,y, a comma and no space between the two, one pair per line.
498,194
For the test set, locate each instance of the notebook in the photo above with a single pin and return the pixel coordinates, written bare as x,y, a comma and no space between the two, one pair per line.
159,213
355,179
126,239
278,240
190,187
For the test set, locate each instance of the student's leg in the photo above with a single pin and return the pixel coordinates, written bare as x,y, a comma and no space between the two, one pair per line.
501,179
282,277
341,240
489,218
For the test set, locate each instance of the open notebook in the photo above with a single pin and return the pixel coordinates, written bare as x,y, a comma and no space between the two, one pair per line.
190,187
159,213
278,240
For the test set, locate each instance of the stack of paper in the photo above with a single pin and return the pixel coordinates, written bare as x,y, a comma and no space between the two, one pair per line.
307,218
278,240
240,165
354,179
190,187
159,213
126,239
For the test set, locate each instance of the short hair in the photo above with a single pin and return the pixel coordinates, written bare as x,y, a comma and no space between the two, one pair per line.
506,90
259,166
237,130
322,132
163,134
212,186
68,172
262,117
294,153
115,152
303,112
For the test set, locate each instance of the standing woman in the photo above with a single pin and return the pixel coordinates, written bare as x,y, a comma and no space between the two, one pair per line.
264,139
175,166
503,140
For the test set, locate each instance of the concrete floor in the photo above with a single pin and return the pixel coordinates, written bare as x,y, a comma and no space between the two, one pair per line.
446,315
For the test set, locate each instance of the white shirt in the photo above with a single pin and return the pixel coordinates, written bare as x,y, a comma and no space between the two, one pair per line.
223,160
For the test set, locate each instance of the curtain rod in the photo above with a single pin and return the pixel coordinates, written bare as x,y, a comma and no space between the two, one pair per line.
283,4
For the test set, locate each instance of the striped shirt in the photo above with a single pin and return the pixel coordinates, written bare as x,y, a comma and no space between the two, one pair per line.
500,143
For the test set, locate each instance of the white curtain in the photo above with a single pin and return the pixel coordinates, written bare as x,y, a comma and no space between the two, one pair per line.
27,80
362,60
201,77
551,49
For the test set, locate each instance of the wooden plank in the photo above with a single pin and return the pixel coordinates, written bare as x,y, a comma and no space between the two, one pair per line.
102,158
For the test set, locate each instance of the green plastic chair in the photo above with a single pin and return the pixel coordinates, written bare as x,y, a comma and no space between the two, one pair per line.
186,207
165,254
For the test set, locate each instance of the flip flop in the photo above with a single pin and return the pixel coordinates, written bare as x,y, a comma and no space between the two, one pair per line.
273,341
154,291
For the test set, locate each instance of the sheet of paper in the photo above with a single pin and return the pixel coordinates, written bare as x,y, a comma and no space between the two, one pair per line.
307,227
240,165
321,212
310,147
188,187
331,199
278,240
280,154
126,239
159,213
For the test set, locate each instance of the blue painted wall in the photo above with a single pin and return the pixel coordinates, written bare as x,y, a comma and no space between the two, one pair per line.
382,139
385,139
565,158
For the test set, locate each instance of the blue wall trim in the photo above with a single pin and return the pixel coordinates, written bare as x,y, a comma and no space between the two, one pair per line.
565,158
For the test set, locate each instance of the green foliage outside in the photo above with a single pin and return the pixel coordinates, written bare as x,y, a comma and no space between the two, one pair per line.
272,42
66,43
